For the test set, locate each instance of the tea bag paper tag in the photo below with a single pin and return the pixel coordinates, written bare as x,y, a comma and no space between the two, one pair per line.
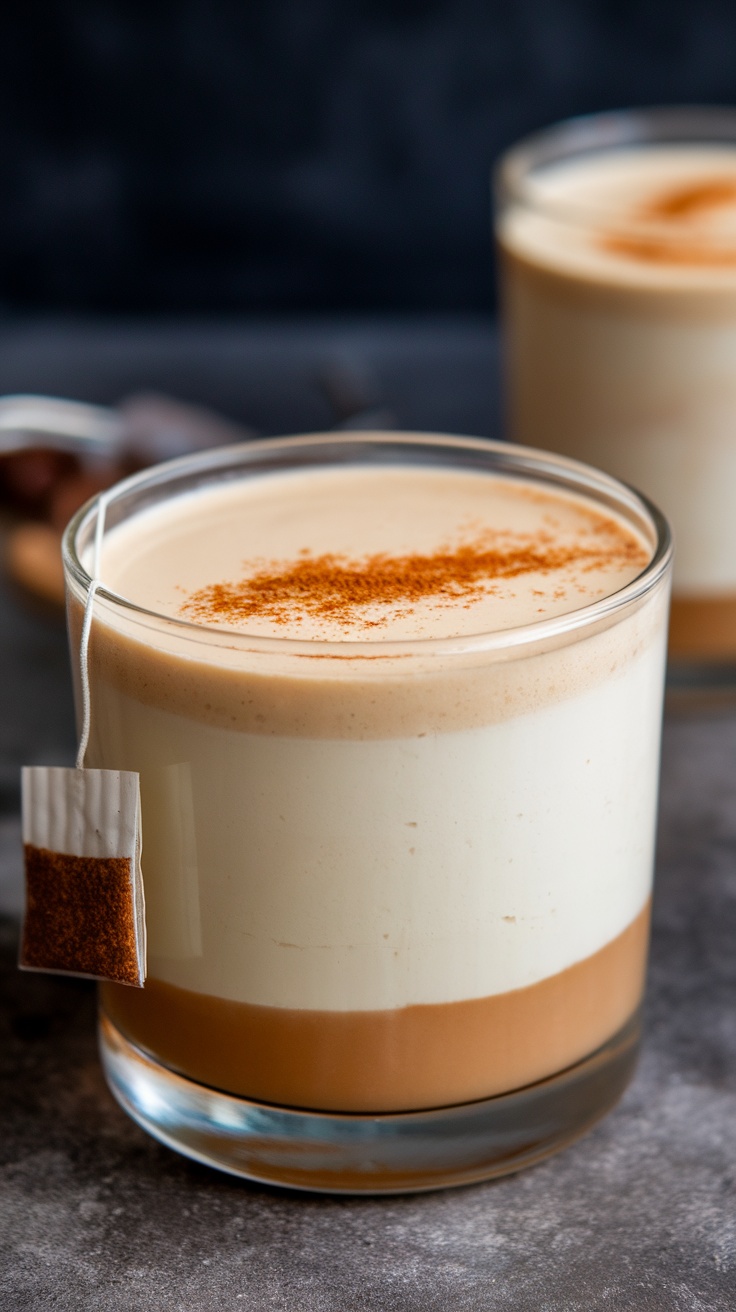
85,911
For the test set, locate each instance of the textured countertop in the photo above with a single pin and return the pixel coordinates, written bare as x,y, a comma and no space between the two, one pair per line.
639,1215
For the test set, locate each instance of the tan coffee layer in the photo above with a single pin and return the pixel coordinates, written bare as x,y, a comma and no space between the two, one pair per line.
361,697
703,628
382,1061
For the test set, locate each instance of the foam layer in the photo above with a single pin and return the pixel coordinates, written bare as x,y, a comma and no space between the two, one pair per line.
559,552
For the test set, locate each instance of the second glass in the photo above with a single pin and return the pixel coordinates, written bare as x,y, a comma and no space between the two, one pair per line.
617,240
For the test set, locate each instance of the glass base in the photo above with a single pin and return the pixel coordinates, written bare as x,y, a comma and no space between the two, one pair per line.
403,1152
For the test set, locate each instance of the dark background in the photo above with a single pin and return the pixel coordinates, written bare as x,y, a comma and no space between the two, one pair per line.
300,155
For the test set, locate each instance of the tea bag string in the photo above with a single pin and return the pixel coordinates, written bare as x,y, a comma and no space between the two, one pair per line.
94,584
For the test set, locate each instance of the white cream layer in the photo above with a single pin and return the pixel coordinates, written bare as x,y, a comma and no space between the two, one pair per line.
348,875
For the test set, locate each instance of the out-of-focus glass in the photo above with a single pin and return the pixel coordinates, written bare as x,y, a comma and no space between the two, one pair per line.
617,242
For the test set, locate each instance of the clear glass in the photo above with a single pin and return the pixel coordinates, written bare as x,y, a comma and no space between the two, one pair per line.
273,787
617,245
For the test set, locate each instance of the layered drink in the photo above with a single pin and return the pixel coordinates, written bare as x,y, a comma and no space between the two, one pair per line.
396,718
618,248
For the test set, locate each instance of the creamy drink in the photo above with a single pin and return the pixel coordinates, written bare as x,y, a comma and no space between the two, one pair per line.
618,245
397,725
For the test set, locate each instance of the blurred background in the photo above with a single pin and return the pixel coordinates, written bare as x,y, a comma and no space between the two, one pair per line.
186,183
237,156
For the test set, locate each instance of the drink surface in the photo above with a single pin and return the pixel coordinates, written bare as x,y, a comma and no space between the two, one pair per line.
655,216
365,554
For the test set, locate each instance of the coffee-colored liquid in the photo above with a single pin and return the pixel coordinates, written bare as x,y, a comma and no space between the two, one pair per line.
384,1061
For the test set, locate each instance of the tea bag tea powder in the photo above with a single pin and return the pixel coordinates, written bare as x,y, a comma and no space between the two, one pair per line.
85,912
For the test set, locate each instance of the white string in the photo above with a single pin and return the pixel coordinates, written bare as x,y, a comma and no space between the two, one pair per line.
95,582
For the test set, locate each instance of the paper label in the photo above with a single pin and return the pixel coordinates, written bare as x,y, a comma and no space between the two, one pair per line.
85,911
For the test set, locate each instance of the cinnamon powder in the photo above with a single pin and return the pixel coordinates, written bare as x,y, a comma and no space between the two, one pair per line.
691,199
660,250
679,206
335,587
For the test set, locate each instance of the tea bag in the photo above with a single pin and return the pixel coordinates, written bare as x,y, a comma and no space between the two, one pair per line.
85,910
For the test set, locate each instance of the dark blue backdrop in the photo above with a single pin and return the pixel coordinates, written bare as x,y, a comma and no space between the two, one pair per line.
189,155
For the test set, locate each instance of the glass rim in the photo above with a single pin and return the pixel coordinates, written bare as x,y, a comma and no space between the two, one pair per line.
596,133
506,458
